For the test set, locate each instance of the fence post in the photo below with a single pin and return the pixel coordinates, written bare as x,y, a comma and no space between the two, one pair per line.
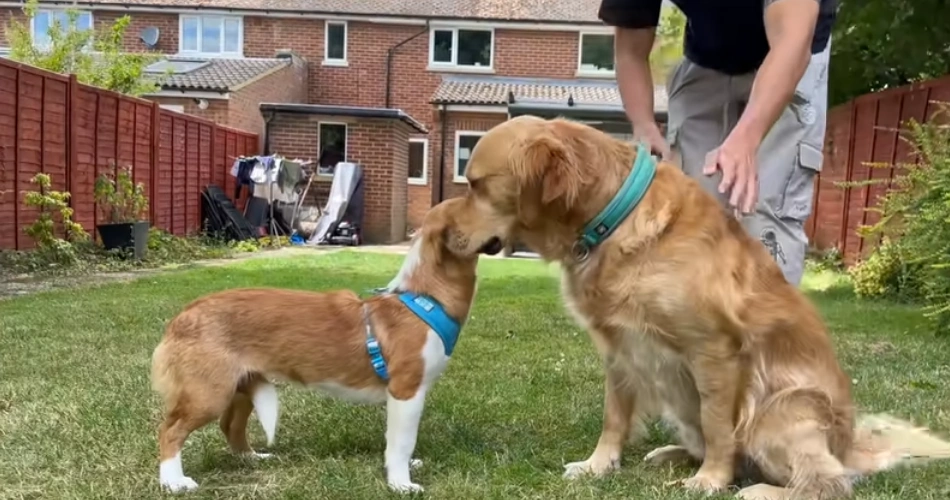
153,162
16,160
72,149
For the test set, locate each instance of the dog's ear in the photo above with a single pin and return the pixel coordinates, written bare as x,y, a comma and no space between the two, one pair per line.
545,158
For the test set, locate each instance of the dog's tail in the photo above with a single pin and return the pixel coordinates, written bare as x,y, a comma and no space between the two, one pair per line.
882,442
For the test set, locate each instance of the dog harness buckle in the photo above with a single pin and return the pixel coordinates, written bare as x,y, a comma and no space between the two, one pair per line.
372,347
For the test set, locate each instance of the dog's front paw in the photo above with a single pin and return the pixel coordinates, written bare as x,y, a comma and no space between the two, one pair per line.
406,488
762,491
179,484
591,467
702,483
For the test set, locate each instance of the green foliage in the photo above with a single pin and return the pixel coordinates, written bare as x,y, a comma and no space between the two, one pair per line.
95,57
914,257
668,48
886,43
120,199
51,203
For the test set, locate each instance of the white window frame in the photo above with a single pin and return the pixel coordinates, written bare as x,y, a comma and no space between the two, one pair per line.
460,179
54,11
346,143
201,18
580,53
327,61
421,181
177,108
453,64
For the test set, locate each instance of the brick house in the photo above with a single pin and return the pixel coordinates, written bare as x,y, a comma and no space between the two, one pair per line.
404,88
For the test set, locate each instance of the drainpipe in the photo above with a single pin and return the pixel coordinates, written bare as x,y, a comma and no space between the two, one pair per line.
441,171
389,59
267,120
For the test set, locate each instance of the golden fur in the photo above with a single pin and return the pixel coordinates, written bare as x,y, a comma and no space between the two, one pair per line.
222,347
692,317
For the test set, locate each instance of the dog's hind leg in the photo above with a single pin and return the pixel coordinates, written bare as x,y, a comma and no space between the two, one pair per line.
264,396
793,447
189,413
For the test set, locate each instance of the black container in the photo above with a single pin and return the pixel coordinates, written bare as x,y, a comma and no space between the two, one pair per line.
125,235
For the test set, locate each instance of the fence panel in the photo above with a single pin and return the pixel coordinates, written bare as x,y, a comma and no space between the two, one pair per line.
865,130
52,124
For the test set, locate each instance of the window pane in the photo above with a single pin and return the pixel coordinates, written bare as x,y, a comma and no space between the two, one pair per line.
232,35
84,21
466,145
332,147
211,35
41,22
416,160
189,34
442,47
474,48
336,41
597,52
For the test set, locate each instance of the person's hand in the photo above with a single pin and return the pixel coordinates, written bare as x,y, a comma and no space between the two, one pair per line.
650,135
735,158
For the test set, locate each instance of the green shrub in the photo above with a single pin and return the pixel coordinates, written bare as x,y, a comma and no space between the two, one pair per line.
914,259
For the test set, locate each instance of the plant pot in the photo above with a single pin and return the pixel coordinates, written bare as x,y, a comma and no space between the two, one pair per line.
125,235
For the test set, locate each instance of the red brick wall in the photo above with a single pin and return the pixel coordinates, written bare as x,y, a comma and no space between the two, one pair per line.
287,85
167,25
374,143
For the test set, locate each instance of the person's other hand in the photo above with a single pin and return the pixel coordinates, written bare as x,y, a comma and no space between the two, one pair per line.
735,158
650,135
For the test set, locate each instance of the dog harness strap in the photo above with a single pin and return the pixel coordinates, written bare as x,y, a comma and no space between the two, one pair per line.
433,314
631,193
372,346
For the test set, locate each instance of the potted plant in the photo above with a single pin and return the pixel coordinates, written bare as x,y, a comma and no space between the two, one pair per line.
123,205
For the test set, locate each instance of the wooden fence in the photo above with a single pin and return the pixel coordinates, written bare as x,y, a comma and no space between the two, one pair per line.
865,130
73,132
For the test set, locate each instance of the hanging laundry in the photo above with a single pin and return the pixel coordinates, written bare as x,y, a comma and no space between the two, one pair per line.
288,175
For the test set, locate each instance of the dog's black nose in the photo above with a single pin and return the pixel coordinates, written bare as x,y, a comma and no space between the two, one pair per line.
492,246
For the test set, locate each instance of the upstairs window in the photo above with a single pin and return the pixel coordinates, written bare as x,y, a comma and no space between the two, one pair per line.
334,47
44,19
596,54
212,35
461,48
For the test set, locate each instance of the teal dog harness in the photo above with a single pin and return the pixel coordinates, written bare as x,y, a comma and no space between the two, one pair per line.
630,195
429,311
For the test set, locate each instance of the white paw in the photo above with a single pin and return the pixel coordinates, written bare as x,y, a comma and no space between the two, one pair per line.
590,467
179,484
406,488
260,456
415,463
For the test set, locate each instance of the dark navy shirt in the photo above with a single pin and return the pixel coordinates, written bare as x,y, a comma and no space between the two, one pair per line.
724,35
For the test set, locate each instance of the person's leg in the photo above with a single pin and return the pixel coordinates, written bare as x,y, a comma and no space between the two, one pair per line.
699,119
789,159
704,106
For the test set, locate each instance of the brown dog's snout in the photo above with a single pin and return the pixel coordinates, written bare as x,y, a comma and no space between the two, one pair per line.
492,246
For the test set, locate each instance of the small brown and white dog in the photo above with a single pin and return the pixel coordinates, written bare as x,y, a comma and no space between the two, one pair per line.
219,355
692,317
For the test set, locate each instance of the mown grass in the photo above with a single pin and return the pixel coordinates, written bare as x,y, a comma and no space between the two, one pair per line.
522,396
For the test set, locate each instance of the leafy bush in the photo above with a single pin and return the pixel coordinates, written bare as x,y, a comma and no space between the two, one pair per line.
120,199
914,258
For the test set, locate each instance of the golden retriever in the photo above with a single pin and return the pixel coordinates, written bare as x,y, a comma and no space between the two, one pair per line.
219,355
692,317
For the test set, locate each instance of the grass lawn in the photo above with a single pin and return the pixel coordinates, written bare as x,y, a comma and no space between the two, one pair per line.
522,397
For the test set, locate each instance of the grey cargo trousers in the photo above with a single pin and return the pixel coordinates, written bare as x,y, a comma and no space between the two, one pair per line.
704,106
